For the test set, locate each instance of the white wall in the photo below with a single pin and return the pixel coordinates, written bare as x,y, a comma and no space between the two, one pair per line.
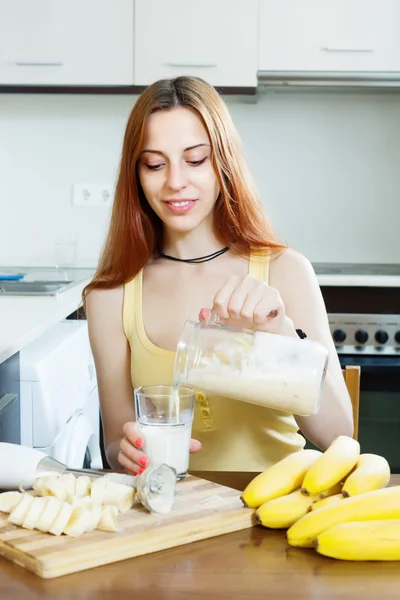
326,164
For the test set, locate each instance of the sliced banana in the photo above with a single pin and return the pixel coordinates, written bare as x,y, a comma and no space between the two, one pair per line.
34,511
49,514
62,519
18,514
95,511
51,486
108,521
98,489
9,500
82,501
120,495
82,486
79,521
69,482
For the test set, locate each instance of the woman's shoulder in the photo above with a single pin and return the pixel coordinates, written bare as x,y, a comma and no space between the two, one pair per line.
291,268
104,302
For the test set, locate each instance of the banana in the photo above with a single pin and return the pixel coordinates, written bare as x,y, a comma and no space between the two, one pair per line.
34,511
282,478
367,540
69,482
332,491
49,514
51,486
378,504
19,513
98,489
79,521
95,511
120,495
82,486
281,513
335,463
372,472
328,501
9,500
62,519
108,520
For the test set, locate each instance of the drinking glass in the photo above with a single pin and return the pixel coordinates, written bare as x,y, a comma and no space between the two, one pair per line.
164,416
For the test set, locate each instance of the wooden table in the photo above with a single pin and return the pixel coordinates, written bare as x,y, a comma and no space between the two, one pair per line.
254,563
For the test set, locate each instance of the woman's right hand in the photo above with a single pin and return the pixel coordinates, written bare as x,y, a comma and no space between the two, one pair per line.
131,455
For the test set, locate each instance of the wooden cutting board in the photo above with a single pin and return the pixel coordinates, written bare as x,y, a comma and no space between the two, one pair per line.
202,509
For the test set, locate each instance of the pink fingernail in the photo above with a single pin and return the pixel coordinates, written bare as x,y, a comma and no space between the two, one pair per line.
141,470
143,461
138,442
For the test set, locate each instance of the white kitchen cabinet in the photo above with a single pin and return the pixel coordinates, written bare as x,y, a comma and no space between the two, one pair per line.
215,40
66,42
329,35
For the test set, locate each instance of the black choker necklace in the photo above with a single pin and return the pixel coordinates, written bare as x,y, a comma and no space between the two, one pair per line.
200,259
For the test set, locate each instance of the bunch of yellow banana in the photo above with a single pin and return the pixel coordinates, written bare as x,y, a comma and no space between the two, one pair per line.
361,540
312,494
376,505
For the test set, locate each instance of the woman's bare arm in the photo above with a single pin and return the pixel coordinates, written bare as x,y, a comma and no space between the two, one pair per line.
111,355
294,277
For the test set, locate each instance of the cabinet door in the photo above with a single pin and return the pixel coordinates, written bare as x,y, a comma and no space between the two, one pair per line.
213,40
329,35
66,42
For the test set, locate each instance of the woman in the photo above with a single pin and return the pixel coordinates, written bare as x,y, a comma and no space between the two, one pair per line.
184,192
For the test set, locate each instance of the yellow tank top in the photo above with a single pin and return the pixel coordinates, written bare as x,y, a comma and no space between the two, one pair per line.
235,435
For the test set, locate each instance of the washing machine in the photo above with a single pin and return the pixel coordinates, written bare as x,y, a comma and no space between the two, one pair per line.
60,412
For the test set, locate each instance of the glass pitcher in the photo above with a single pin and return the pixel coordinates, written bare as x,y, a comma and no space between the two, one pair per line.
271,370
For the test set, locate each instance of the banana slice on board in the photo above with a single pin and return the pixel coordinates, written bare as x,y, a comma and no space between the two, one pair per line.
79,521
98,489
34,511
119,495
62,519
9,500
108,521
69,482
49,514
82,486
19,513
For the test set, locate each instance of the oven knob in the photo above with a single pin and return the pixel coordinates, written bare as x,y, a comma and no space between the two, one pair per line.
361,336
397,337
381,336
339,335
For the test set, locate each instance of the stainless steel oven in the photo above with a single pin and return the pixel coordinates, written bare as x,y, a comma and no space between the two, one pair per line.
365,326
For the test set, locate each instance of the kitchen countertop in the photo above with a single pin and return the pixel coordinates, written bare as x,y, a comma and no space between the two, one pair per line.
253,563
25,318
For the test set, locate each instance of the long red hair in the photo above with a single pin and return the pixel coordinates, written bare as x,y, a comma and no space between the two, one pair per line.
135,231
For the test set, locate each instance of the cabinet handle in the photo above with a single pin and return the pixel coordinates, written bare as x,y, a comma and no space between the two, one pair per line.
6,401
201,65
38,63
329,49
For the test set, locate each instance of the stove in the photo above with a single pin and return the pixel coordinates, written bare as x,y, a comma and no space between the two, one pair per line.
364,314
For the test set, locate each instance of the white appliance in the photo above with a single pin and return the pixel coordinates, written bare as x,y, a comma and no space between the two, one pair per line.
59,397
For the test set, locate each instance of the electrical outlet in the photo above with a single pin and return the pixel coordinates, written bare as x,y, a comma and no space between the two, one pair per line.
92,194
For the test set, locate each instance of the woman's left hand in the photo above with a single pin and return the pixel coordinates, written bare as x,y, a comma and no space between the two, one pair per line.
249,303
